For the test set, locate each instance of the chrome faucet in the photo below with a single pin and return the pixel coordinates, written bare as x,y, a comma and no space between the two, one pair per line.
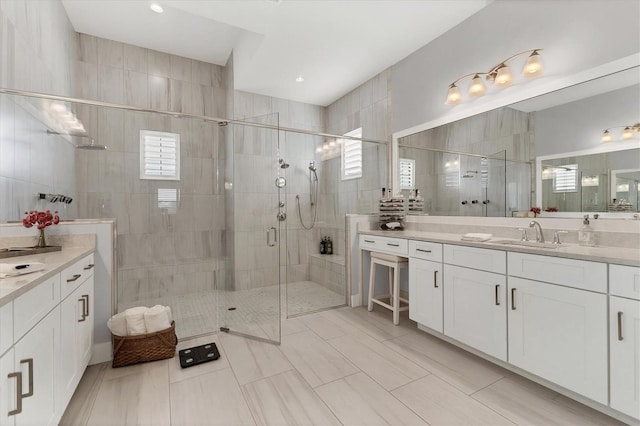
539,234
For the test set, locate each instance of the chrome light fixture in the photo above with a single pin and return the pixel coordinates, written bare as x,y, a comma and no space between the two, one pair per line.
500,76
628,132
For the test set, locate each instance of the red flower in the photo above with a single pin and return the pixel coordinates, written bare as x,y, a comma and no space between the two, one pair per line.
40,219
536,210
551,209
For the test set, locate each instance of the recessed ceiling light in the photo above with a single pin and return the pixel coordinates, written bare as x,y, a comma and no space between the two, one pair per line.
156,7
299,79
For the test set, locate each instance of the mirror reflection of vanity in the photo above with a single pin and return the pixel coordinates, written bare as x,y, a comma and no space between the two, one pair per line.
560,133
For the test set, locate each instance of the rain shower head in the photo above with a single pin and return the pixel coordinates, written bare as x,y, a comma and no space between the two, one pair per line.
283,165
92,146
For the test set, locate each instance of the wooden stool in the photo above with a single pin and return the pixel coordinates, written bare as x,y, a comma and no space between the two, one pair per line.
394,263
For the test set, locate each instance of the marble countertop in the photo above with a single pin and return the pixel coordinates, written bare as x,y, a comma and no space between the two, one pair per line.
616,255
11,288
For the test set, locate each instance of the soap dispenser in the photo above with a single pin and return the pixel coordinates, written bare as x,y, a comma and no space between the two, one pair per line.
585,234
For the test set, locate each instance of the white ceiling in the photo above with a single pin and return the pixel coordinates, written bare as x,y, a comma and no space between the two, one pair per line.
335,45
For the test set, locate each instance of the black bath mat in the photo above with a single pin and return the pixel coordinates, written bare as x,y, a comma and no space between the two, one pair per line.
198,355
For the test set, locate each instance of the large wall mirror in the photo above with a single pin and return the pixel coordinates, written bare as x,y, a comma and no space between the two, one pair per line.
551,151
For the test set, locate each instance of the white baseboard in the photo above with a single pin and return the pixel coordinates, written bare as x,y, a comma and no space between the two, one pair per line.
101,353
355,300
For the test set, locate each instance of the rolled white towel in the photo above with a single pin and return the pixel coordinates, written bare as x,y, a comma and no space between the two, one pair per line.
118,324
135,320
156,319
169,314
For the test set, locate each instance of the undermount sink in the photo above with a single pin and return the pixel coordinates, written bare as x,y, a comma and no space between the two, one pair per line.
533,244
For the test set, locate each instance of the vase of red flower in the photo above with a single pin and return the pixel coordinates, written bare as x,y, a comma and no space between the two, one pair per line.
535,211
41,220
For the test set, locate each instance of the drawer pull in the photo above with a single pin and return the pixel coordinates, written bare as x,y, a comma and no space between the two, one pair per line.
423,250
620,326
435,279
513,299
29,362
86,311
393,245
84,308
497,294
75,277
369,241
89,266
18,376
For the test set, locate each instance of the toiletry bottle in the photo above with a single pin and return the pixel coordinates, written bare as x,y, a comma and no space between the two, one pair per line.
323,245
329,246
585,234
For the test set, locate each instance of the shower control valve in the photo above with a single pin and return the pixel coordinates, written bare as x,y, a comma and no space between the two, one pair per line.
464,203
485,202
474,202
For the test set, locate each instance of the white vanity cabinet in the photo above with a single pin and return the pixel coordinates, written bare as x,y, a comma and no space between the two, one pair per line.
558,332
474,299
624,339
425,284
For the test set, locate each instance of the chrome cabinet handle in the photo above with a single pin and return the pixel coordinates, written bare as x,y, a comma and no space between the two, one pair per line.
423,250
75,277
86,311
393,245
84,308
513,299
369,241
435,279
497,294
29,362
620,337
89,266
18,376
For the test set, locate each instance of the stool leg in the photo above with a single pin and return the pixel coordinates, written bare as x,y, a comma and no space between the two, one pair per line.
372,279
391,285
396,295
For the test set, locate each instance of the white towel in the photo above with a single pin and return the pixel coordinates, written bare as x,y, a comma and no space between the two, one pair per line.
476,237
169,314
156,319
135,321
118,324
14,269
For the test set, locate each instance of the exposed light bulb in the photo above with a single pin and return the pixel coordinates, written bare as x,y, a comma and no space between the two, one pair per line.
299,79
454,97
504,77
156,8
325,147
606,136
477,87
627,133
533,67
319,149
332,144
447,164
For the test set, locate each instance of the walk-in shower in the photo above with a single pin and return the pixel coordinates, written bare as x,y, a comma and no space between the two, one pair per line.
313,197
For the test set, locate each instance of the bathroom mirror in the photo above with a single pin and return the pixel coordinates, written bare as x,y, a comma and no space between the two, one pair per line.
560,128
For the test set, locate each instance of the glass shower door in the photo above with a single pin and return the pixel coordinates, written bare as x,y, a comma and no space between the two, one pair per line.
250,303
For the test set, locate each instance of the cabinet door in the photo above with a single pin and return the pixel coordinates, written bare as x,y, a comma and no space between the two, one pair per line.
8,389
624,334
425,293
36,356
474,309
559,334
85,331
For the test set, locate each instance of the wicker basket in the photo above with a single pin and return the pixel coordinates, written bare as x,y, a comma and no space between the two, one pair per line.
128,350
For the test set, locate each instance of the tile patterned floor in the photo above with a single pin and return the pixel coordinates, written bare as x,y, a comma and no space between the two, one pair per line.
344,366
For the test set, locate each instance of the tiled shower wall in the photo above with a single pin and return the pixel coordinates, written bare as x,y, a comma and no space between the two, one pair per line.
503,129
37,45
160,252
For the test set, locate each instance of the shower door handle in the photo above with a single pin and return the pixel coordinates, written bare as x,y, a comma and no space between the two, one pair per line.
271,243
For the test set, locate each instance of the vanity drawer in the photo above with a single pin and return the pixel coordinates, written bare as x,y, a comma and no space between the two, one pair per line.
76,274
34,305
476,258
624,281
556,270
6,327
425,250
389,245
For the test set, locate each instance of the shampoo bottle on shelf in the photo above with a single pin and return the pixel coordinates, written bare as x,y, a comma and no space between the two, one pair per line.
585,234
323,245
329,249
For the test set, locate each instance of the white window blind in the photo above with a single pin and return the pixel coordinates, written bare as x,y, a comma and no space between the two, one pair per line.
352,156
407,173
159,155
168,200
565,178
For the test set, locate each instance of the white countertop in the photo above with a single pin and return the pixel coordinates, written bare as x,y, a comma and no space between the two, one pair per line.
616,255
11,288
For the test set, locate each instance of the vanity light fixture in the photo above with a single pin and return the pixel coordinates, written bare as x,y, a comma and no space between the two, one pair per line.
500,76
156,8
628,132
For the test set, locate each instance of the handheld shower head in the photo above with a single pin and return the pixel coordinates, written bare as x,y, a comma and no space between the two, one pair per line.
312,166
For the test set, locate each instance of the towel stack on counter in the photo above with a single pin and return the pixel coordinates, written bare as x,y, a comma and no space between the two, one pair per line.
140,320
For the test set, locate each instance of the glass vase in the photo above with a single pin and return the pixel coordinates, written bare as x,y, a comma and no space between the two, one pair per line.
41,241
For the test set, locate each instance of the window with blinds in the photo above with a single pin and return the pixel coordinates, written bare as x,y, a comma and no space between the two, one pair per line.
565,178
352,155
159,155
168,200
407,173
